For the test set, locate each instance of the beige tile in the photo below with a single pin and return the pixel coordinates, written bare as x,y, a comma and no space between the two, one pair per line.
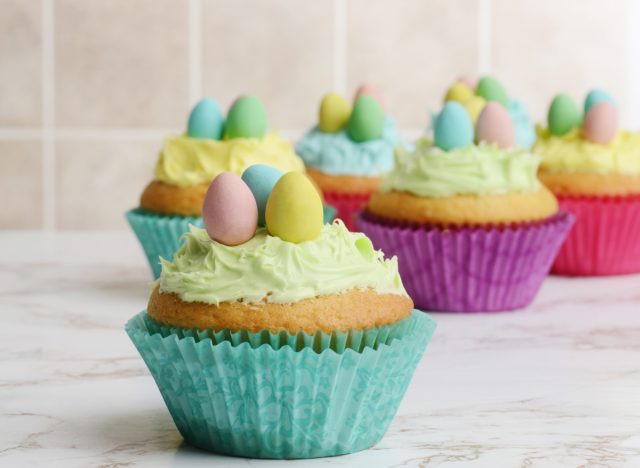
21,184
550,48
281,50
121,63
97,181
412,49
20,63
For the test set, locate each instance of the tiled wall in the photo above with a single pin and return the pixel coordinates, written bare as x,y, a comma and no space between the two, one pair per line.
89,88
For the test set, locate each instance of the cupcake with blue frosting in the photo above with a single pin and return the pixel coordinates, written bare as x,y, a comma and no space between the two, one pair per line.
350,149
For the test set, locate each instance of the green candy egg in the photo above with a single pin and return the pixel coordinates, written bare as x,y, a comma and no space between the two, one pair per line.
367,119
247,118
492,90
563,115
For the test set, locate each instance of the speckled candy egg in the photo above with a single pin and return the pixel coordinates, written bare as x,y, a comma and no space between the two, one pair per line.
367,120
563,115
246,118
368,89
453,127
206,120
495,126
261,179
492,90
294,209
601,123
229,211
459,92
594,97
474,106
334,113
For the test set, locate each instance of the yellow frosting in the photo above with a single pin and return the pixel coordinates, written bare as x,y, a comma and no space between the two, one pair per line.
572,153
187,162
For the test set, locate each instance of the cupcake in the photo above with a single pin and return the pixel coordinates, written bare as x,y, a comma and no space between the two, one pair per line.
293,340
349,150
593,167
471,224
188,163
475,95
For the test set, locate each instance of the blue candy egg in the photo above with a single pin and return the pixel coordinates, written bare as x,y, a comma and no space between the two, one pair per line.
261,179
453,128
594,97
206,120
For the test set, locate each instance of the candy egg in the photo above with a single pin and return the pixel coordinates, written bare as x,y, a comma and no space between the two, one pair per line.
601,123
334,113
246,118
474,106
595,96
261,179
229,211
492,90
367,119
370,90
459,92
466,79
453,127
495,126
206,120
294,209
563,115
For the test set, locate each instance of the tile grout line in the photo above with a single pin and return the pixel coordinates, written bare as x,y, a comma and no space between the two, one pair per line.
195,52
484,36
632,117
340,46
48,118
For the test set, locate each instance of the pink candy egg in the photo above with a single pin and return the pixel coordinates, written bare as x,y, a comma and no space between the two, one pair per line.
370,90
601,123
229,211
495,126
466,79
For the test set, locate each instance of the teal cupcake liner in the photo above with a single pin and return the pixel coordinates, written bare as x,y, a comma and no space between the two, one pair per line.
160,235
266,402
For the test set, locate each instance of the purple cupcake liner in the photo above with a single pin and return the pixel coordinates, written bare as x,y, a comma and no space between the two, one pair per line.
470,269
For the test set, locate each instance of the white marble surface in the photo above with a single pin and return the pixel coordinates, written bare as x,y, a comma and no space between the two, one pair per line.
557,384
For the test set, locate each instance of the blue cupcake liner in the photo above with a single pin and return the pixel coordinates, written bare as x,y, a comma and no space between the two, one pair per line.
160,235
275,402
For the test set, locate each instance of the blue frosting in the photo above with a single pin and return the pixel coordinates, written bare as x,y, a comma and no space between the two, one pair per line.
337,154
525,131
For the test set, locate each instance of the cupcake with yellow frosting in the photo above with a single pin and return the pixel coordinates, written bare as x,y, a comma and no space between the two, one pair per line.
349,150
593,167
188,163
293,340
471,224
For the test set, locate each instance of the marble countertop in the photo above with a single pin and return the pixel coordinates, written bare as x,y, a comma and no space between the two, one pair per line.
557,384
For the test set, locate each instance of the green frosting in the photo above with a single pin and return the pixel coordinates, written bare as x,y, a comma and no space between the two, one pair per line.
268,268
483,169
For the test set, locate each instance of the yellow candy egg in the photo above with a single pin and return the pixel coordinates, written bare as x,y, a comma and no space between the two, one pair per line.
334,113
459,92
294,209
474,107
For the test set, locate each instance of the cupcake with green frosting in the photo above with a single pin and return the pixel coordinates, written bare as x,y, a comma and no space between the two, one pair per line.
465,213
189,162
291,339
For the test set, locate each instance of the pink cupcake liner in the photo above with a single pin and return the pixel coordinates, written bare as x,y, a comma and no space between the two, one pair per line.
347,205
605,239
470,269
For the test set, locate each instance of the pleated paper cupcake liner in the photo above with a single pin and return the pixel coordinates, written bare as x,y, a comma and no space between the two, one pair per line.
281,403
605,239
470,269
160,234
347,206
337,341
